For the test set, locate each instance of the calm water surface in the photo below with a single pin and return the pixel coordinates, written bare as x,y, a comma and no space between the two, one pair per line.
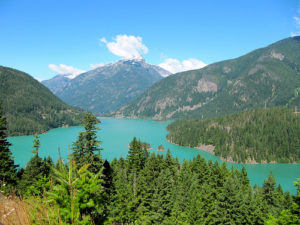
116,134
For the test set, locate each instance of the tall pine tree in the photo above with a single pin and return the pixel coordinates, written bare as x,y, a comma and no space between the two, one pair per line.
8,174
86,150
136,156
36,169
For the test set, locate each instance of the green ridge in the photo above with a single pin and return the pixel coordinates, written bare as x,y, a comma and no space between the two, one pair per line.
263,135
30,107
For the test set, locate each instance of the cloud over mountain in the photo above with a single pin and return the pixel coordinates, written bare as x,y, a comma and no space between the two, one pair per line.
62,69
175,66
126,46
94,66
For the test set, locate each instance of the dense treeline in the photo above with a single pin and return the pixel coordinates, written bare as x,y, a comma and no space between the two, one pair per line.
163,191
263,135
30,107
141,189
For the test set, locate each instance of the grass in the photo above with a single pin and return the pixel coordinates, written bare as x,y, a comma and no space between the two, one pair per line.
14,210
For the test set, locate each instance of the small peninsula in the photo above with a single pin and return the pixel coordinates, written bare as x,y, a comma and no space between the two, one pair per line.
257,136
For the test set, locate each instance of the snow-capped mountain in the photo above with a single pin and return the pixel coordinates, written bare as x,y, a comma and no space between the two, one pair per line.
108,87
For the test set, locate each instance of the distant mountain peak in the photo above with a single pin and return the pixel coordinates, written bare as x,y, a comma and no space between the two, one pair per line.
67,75
108,87
134,59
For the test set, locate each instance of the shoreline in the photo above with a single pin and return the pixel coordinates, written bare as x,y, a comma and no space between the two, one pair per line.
210,149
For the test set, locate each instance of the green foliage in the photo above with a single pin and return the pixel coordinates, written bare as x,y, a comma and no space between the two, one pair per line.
72,195
194,192
262,135
86,150
161,191
77,193
30,107
8,175
291,215
36,145
37,188
265,77
35,176
137,155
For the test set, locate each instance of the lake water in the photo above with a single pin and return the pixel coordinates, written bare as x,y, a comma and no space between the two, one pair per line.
116,134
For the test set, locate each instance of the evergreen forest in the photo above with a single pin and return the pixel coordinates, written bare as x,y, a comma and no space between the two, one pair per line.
138,189
262,135
30,107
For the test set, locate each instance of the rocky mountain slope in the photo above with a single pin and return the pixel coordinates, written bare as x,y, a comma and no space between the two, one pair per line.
109,87
56,83
266,77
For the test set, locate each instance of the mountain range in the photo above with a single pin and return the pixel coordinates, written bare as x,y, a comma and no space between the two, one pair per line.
30,107
107,88
265,77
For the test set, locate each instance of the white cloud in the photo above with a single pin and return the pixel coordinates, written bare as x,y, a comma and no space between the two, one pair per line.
175,66
294,34
38,79
94,66
66,70
126,46
103,40
297,19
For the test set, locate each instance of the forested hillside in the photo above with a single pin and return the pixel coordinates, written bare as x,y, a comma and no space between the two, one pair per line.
263,135
30,107
268,77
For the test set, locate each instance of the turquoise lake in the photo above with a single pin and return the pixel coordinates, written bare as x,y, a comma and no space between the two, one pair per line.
116,134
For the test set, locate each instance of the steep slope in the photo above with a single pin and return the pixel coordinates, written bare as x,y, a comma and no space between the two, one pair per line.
30,107
56,83
109,87
261,135
265,77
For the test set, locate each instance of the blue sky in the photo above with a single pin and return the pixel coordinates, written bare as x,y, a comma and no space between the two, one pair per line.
44,38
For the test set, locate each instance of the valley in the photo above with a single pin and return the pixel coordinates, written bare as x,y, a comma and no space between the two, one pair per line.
217,145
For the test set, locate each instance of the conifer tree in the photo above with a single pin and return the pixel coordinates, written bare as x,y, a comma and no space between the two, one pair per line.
259,206
37,169
8,174
121,194
229,203
162,197
270,195
196,209
77,193
136,155
36,145
290,215
86,150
